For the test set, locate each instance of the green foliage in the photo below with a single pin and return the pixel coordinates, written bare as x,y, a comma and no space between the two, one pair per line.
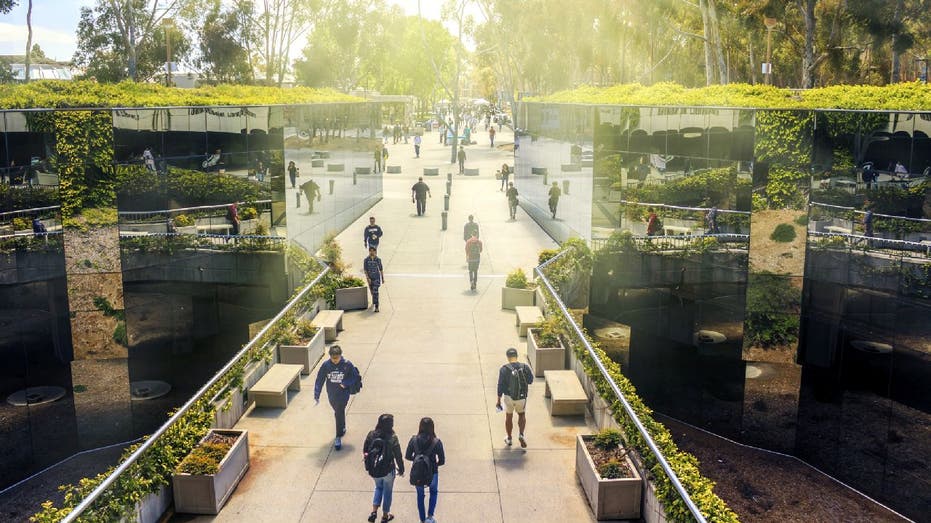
547,334
612,469
183,220
608,439
119,333
784,188
248,213
517,279
192,188
802,220
332,253
783,233
32,243
773,305
326,289
305,329
546,254
17,198
21,223
206,457
54,94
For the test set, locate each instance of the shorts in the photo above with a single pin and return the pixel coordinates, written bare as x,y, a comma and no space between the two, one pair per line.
511,406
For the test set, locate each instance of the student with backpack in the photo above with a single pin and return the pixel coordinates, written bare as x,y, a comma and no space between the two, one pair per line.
382,456
342,379
514,379
425,451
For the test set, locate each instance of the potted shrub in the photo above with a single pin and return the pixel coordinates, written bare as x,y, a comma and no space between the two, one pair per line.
302,345
206,478
248,220
350,293
517,290
184,224
545,350
611,482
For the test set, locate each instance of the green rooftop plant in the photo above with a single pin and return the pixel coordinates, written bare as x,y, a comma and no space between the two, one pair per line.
205,458
783,233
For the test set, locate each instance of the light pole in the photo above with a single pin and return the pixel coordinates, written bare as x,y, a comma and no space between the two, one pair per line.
770,23
166,26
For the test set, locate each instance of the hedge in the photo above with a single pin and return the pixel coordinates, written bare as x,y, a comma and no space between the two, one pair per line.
59,94
914,96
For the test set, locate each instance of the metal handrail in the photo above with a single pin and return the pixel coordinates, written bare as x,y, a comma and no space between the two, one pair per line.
34,210
264,204
875,214
150,441
681,208
673,478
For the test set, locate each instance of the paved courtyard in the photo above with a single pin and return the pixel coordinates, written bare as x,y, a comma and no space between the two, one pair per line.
433,350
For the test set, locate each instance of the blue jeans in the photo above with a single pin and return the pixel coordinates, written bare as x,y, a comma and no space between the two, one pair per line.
384,488
420,496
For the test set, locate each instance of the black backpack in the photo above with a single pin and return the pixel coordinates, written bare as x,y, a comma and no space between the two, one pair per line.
421,467
357,386
378,459
517,381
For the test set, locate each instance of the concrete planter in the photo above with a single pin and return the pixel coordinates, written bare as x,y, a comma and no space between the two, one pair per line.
609,498
228,410
150,508
352,298
306,355
254,372
187,229
206,494
247,227
511,298
544,358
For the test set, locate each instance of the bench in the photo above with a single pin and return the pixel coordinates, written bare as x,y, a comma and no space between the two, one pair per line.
272,389
394,169
220,228
470,172
539,171
838,229
331,321
431,171
571,168
672,230
335,167
316,163
363,170
567,397
528,317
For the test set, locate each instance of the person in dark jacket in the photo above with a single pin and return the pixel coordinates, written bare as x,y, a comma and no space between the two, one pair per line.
518,403
419,193
374,274
372,234
426,442
384,486
340,374
512,200
469,228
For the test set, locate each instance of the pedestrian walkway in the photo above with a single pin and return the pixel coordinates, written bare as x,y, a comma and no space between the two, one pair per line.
433,350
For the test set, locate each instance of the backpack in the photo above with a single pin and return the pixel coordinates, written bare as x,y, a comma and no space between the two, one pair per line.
378,458
357,386
517,382
421,467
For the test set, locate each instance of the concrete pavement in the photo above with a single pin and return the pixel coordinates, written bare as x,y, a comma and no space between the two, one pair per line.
433,350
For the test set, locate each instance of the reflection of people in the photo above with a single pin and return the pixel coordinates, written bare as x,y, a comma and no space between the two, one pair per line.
712,219
505,174
491,136
469,228
461,156
417,142
473,249
419,192
868,223
652,222
232,214
377,160
517,142
374,274
512,200
310,189
212,161
555,193
869,175
292,174
38,228
900,169
372,234
148,159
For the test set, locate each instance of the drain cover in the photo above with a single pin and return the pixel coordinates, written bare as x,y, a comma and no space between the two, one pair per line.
148,390
35,396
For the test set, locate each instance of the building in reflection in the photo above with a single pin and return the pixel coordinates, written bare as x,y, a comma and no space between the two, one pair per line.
762,274
138,246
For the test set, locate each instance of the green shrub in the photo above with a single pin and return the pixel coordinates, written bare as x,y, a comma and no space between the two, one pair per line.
772,310
184,220
547,334
517,279
802,220
546,254
783,233
613,469
248,213
119,333
205,458
305,329
20,223
608,439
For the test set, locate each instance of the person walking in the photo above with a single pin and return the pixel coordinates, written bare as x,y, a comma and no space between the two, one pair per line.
712,219
292,174
310,190
461,156
340,376
374,274
384,158
425,451
377,160
232,214
469,228
554,193
505,174
512,200
383,460
372,234
473,249
417,141
653,223
868,223
514,379
419,193
517,142
491,137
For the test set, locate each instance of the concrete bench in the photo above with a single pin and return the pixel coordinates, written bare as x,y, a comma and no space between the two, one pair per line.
316,163
673,230
838,230
431,171
335,167
221,228
470,172
363,170
567,397
272,389
331,321
394,169
571,168
539,171
528,317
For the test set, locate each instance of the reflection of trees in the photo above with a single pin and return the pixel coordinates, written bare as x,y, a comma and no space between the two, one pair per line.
773,304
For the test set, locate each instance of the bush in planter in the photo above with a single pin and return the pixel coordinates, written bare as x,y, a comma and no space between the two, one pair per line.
248,213
547,334
183,220
205,458
517,279
608,439
613,469
546,254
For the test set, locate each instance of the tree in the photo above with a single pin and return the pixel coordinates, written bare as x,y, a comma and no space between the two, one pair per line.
278,25
28,60
225,34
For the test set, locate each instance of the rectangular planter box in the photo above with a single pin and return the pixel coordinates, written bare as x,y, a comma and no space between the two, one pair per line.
352,298
511,298
306,355
544,358
196,494
609,498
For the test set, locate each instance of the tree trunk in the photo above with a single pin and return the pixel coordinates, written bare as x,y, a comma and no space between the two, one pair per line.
716,42
807,8
706,27
752,63
28,40
895,75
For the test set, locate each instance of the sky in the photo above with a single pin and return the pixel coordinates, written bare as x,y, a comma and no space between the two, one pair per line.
54,24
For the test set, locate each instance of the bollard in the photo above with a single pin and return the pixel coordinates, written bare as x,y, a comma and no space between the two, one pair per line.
449,187
445,202
443,214
565,187
332,182
449,177
545,176
354,178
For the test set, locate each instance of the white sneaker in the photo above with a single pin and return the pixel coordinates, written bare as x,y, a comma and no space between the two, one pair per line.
507,441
